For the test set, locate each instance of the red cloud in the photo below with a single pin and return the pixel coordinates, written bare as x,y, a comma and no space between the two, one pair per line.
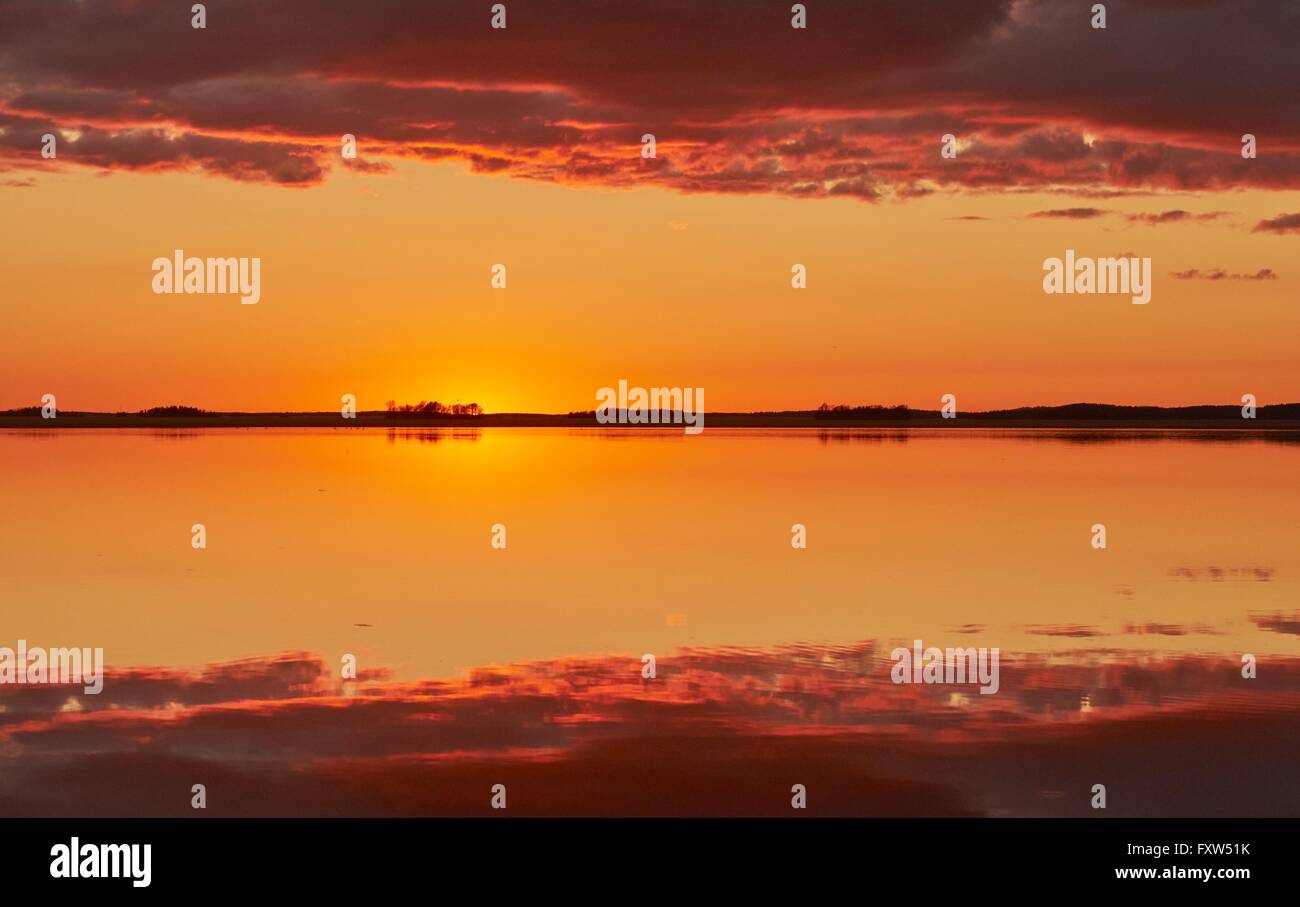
1283,223
739,101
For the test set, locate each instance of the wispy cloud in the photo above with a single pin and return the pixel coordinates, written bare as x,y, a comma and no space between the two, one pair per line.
1283,223
1221,274
1175,216
1072,213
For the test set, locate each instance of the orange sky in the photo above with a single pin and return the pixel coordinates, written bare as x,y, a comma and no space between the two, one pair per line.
522,146
378,285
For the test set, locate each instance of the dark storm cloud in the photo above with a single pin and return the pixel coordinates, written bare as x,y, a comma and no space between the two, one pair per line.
740,102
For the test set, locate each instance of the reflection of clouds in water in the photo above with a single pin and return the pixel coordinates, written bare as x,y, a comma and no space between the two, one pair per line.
1221,574
1278,623
1070,630
1155,629
1074,631
282,737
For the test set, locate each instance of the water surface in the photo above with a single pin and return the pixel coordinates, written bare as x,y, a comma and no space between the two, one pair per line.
375,543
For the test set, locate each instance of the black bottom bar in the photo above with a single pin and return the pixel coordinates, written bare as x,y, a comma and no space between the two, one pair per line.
647,860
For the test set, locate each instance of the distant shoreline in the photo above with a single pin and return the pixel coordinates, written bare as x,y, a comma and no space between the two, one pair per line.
1093,417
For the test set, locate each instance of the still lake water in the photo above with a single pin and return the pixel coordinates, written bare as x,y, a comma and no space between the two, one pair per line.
377,544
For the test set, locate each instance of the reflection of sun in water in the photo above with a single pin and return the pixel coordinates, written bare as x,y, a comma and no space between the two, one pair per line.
1085,705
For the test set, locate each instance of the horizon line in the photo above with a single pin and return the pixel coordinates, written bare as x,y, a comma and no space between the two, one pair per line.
187,411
